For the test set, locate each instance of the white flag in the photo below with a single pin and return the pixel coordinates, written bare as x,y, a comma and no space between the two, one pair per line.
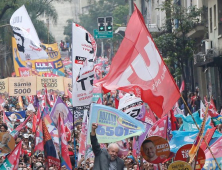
83,53
27,40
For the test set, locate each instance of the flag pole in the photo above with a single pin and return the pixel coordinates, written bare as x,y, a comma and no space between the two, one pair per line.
74,137
199,129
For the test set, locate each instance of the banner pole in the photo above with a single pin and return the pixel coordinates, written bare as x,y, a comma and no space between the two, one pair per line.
76,161
199,129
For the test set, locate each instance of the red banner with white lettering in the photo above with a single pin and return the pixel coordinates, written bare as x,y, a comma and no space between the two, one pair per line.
138,67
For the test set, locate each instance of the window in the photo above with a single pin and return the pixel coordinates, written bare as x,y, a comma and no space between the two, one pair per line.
219,6
215,16
210,19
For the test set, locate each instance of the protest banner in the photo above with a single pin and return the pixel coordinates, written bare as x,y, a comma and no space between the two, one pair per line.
7,142
131,105
37,66
67,85
79,111
61,109
160,149
179,165
183,155
113,125
22,86
4,87
54,85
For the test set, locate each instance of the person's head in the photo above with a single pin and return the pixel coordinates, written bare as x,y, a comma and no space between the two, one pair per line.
19,39
40,168
51,168
149,149
40,158
6,138
4,128
113,150
135,167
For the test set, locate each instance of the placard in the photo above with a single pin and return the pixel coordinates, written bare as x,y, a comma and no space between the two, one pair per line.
4,87
7,143
155,149
183,155
54,85
179,165
22,86
67,85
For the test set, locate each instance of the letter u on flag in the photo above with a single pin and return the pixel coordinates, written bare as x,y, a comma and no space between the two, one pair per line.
138,67
113,125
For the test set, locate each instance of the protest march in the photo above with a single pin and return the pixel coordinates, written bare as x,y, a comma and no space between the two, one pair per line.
127,113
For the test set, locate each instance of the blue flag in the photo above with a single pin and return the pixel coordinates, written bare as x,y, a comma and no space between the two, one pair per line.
19,115
113,125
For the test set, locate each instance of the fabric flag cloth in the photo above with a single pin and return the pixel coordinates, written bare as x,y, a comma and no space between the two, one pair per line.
202,109
61,108
65,160
207,137
18,115
116,103
99,101
51,156
193,151
7,122
39,145
131,105
216,149
12,161
84,53
174,124
16,131
20,102
138,67
159,128
113,125
83,135
146,115
34,120
182,87
28,43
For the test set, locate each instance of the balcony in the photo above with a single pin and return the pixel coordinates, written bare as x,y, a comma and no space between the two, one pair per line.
197,32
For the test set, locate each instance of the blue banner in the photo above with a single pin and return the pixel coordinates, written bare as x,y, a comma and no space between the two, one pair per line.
19,115
211,164
113,125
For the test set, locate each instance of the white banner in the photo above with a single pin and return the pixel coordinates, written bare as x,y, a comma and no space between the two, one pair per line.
130,104
83,53
27,40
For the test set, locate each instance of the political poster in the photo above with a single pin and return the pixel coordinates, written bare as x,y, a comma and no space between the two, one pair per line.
7,142
131,105
37,66
113,125
24,72
79,111
67,85
4,87
155,149
54,85
183,155
22,86
61,109
179,165
84,52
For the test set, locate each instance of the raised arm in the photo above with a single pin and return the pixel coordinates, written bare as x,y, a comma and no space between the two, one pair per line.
95,145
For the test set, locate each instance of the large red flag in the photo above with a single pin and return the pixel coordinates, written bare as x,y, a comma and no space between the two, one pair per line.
159,128
208,137
138,67
65,160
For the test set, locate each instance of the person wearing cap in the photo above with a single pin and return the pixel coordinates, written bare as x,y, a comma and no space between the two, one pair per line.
105,159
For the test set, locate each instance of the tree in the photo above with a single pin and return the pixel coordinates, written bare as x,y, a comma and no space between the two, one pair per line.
176,47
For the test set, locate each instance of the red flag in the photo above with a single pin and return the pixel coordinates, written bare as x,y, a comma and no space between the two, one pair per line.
182,86
149,116
38,116
174,125
139,68
99,101
207,138
116,103
39,145
159,128
65,160
34,120
68,133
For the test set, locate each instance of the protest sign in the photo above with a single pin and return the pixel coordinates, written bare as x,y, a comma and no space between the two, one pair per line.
155,149
54,85
179,165
79,111
22,86
7,142
113,125
130,104
67,85
4,87
183,155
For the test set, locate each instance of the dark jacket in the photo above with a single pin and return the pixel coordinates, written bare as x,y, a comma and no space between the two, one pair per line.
102,158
